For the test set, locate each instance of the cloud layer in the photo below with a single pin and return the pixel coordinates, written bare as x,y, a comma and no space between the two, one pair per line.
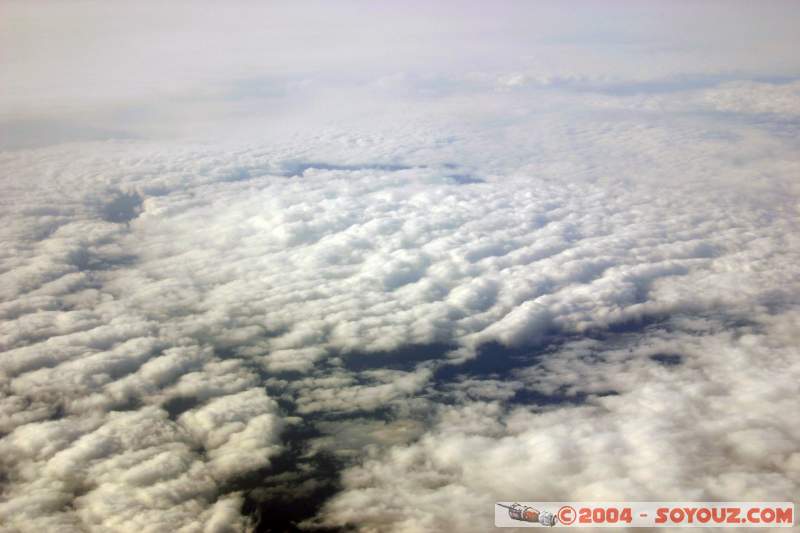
154,303
551,260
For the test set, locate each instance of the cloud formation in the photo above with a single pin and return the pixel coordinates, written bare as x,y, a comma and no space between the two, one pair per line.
717,426
138,348
555,264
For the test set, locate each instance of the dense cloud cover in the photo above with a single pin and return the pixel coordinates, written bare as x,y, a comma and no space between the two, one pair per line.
463,281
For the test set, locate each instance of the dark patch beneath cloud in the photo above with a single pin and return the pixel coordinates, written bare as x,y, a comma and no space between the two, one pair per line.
293,488
88,261
529,396
667,359
123,207
634,325
178,405
404,358
288,495
493,360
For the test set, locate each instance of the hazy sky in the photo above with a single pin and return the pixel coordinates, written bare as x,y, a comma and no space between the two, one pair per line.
100,69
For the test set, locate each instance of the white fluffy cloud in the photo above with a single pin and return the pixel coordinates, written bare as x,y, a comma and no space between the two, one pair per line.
717,426
551,260
138,349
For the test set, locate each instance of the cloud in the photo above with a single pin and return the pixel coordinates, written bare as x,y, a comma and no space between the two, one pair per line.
149,350
717,426
778,100
520,251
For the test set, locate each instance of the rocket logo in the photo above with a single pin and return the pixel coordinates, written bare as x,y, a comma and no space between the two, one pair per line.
524,513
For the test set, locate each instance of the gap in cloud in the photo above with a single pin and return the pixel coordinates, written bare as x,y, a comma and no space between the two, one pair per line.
667,359
123,207
494,360
178,405
404,358
318,448
300,482
294,487
89,261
